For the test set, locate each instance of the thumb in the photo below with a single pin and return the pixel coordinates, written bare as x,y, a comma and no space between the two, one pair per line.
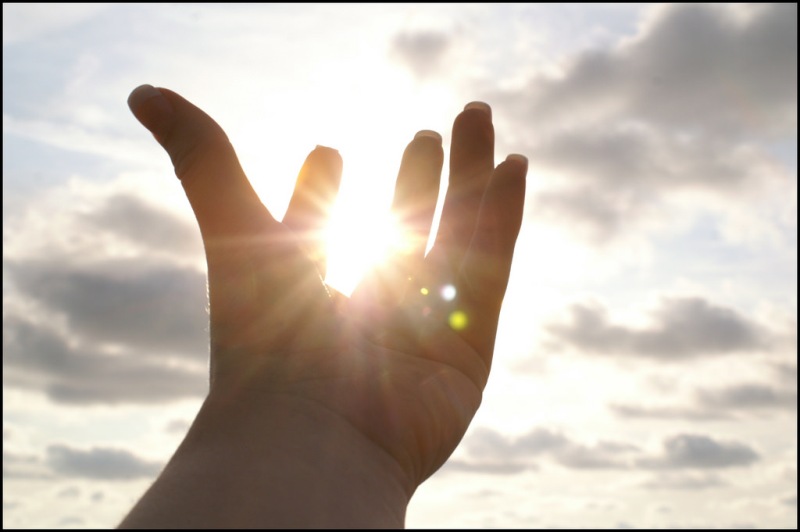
218,190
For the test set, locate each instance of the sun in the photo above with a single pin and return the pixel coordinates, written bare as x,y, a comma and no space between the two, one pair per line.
358,240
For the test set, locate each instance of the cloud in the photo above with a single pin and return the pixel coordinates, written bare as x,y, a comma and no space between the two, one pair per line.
69,492
159,309
682,328
749,397
703,67
681,481
487,443
100,463
488,451
422,52
724,403
502,468
491,452
786,371
594,212
111,312
604,455
688,103
129,217
23,466
37,357
700,452
668,413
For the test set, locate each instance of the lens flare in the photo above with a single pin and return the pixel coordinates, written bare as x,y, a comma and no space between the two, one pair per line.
448,292
458,320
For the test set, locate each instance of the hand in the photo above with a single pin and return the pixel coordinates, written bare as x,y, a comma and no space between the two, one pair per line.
395,366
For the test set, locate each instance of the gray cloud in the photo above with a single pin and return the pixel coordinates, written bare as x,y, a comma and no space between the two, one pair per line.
682,328
131,218
69,492
131,329
787,372
667,413
604,455
682,482
100,463
159,309
36,357
700,452
500,468
595,213
748,397
422,52
491,452
24,466
488,451
724,403
10,505
71,521
487,443
688,103
790,501
694,68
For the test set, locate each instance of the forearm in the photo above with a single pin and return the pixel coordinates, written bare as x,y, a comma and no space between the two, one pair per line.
285,466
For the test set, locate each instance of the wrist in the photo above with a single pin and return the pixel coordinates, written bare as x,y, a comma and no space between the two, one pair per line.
282,462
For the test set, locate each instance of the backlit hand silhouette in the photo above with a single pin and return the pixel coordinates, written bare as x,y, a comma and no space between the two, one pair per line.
402,363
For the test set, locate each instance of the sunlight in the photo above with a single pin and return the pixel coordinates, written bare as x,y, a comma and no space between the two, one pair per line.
357,241
392,107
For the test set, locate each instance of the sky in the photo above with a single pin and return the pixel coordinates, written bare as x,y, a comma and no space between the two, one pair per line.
645,371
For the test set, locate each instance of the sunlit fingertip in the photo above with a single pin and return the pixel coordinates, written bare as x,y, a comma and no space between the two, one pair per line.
482,106
322,148
430,134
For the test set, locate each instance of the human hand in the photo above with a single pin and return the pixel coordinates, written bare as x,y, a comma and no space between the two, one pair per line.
395,366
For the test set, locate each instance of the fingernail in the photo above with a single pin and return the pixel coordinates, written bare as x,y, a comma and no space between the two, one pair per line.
519,158
429,133
483,106
326,148
148,93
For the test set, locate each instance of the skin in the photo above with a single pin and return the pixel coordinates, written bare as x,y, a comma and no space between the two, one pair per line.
323,410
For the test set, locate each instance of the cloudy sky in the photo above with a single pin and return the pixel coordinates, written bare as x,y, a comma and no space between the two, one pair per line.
646,366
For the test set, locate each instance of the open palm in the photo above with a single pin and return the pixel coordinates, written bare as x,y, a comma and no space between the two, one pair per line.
397,362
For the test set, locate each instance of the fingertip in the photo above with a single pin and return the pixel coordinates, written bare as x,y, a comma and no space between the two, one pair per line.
325,149
481,106
329,155
518,159
428,133
151,108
